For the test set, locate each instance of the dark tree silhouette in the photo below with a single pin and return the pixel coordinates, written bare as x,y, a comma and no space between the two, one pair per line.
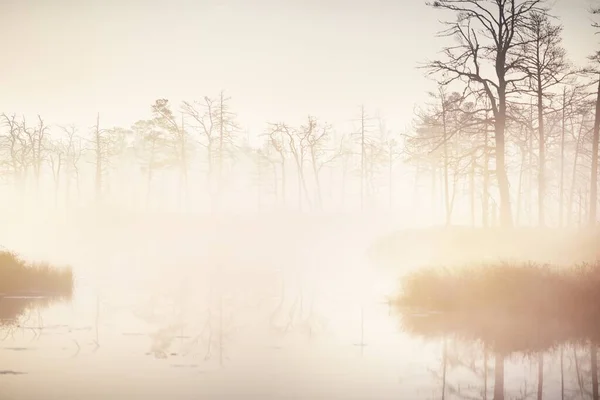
489,34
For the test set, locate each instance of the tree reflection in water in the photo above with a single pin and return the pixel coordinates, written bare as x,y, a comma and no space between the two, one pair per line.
16,311
468,339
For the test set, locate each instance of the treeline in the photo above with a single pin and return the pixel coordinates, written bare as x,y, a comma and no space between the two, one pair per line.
512,129
510,136
196,156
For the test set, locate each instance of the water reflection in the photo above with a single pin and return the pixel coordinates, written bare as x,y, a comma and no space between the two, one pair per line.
14,308
542,346
19,314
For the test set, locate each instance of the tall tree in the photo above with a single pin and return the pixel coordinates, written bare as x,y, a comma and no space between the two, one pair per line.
14,143
152,150
100,151
364,140
226,126
203,121
595,141
73,154
320,155
36,139
277,142
177,140
544,62
488,31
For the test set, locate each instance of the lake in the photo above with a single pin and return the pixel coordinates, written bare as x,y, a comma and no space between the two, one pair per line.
285,314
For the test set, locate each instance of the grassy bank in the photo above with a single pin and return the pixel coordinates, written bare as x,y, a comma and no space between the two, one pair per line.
511,307
21,277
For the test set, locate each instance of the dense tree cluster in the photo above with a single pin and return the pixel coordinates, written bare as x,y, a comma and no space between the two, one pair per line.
513,127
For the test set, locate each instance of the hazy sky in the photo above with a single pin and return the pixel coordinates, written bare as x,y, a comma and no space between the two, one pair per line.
279,60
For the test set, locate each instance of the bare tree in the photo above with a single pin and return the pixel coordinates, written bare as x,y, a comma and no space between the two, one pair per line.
364,139
488,31
14,142
544,62
35,138
595,141
56,156
320,155
446,135
296,141
74,152
346,155
152,150
165,119
227,127
277,142
202,115
100,151
105,145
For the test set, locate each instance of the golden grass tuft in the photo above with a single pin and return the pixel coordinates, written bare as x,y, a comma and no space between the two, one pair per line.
510,307
18,276
522,288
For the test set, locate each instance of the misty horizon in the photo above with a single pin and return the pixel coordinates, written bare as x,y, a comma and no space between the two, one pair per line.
299,199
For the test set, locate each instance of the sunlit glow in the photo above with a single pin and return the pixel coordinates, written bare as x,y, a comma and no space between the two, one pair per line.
245,191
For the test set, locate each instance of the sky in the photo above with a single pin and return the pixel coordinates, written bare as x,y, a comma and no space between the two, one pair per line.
279,60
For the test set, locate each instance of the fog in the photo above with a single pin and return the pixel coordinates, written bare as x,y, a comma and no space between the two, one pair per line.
224,209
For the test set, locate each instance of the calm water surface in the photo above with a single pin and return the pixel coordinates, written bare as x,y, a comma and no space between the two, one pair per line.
284,321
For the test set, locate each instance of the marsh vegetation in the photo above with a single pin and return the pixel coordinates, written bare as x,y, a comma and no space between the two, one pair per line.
20,277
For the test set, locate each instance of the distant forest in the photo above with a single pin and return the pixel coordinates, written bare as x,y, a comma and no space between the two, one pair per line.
509,137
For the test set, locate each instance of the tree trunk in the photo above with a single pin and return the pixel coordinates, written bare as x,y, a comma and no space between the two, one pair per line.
283,181
362,158
472,189
446,189
485,198
501,170
343,184
258,186
98,159
183,191
561,201
275,184
520,188
315,169
390,177
580,213
542,155
574,173
530,178
221,148
594,174
433,192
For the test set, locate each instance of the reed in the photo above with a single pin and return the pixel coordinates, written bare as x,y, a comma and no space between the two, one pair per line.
20,277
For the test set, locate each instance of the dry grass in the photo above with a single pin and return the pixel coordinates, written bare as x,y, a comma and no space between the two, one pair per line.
510,307
18,276
524,289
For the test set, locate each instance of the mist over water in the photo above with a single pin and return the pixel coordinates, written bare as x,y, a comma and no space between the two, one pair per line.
196,202
260,306
278,304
